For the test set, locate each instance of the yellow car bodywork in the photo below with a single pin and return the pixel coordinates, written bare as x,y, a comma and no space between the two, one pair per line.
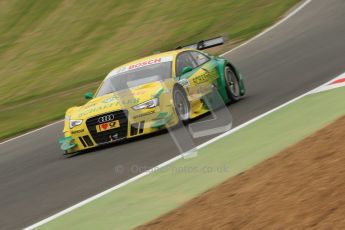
199,83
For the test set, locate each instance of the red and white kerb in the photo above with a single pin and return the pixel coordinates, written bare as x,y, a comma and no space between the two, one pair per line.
335,83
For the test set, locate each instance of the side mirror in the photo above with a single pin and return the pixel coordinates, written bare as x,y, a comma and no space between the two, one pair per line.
186,69
88,96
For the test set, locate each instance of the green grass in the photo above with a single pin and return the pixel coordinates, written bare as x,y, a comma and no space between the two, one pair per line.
48,48
164,190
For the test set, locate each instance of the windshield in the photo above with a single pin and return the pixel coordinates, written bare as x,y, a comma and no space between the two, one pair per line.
136,77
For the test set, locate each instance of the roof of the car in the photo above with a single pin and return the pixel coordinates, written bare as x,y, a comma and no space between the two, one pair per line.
172,53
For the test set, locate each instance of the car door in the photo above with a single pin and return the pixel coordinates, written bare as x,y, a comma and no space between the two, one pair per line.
202,75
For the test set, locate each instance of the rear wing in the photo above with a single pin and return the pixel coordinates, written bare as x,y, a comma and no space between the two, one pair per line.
205,44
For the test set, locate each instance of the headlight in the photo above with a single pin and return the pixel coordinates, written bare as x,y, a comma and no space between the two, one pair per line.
74,123
147,104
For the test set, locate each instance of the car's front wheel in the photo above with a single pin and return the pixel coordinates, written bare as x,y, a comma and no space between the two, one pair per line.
232,84
181,104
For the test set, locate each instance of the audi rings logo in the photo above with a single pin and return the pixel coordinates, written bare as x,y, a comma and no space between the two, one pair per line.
106,118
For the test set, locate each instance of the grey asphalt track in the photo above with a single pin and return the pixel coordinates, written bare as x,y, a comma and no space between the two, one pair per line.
300,54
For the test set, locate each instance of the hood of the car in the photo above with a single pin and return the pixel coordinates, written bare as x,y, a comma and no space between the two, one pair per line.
116,101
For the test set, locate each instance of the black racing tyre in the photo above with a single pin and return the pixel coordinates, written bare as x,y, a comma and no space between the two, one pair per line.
231,84
181,104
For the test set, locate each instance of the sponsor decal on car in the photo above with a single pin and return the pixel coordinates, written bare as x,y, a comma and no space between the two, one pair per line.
145,63
77,131
139,65
110,99
109,105
208,76
124,102
107,126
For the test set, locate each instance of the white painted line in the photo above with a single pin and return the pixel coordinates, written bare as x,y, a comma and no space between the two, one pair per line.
84,202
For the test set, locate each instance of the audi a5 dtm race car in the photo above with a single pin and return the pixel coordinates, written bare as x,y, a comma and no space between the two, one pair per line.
150,94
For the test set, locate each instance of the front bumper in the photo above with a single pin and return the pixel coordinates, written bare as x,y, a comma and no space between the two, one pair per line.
85,136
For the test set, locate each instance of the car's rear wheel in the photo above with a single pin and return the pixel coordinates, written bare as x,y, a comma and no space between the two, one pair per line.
232,84
181,104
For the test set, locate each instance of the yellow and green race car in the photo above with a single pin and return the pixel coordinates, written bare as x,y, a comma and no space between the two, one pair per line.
151,94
